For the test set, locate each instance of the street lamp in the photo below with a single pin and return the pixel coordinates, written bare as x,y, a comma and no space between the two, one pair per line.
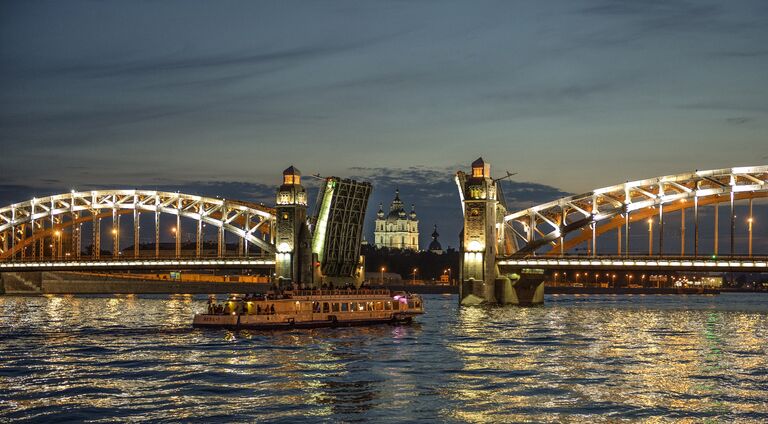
414,276
176,241
750,220
650,236
556,274
382,274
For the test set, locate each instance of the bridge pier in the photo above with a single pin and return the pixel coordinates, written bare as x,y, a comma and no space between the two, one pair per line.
483,240
293,260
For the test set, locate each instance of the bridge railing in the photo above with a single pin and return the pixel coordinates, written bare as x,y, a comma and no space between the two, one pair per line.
639,257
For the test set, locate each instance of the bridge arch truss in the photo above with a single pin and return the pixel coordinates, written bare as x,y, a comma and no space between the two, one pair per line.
28,225
585,216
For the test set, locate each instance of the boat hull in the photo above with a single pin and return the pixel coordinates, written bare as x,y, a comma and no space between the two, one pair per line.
240,322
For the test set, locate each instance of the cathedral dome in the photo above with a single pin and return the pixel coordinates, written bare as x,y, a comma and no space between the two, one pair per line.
397,228
435,246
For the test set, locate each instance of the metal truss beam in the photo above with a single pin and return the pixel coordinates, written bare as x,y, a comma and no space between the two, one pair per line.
658,194
243,219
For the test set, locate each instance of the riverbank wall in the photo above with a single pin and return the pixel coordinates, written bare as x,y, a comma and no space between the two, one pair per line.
38,283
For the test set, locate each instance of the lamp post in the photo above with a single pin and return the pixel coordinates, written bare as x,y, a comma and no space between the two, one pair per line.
382,275
56,244
414,276
115,242
556,274
750,236
175,232
650,236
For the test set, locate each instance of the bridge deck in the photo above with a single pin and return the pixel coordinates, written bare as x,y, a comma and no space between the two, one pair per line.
139,264
736,263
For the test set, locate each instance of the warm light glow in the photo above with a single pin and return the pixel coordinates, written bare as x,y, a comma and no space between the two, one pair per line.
283,247
58,233
114,231
173,230
475,246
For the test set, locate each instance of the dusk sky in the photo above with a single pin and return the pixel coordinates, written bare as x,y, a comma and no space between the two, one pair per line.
219,97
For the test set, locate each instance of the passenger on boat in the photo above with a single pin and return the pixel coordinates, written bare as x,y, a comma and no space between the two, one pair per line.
258,309
272,309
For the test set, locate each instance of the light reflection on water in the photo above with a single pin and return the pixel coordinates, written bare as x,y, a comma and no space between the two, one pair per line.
579,358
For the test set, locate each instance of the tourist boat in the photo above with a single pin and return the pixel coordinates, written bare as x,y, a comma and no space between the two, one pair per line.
311,309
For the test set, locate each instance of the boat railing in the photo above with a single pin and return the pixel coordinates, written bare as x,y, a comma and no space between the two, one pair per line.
340,292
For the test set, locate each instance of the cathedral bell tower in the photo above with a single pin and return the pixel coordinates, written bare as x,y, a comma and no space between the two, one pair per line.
293,258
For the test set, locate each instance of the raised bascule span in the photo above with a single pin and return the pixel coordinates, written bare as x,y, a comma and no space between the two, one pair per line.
48,233
506,255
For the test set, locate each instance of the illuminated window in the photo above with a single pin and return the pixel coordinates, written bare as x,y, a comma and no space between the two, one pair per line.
477,171
291,179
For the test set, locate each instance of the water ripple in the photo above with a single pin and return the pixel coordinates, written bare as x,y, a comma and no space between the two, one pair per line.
579,358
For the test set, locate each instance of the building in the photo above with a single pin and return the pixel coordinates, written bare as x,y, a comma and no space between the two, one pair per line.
435,246
397,229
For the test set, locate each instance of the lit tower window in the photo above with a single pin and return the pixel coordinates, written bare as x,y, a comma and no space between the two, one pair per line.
480,169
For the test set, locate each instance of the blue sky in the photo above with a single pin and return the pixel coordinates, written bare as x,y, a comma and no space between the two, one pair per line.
223,95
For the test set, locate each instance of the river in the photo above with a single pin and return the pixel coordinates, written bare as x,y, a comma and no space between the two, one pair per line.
589,358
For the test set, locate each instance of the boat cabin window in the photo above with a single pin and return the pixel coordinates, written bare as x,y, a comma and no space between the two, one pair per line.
396,306
307,306
335,307
354,307
378,306
369,305
326,307
316,307
388,306
410,304
344,307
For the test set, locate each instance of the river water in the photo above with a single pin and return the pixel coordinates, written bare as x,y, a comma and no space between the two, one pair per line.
578,358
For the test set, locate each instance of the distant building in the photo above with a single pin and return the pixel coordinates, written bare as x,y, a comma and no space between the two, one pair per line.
435,246
398,229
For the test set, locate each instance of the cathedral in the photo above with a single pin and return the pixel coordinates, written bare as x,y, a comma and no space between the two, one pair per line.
397,229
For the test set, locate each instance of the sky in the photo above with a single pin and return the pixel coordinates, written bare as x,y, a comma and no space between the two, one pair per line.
219,97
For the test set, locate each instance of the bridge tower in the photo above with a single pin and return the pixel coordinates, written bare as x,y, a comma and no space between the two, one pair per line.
293,257
483,239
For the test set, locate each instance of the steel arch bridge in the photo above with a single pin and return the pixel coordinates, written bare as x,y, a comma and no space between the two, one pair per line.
555,227
26,227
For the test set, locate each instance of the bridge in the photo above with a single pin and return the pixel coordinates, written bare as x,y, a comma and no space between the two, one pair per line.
505,255
47,234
